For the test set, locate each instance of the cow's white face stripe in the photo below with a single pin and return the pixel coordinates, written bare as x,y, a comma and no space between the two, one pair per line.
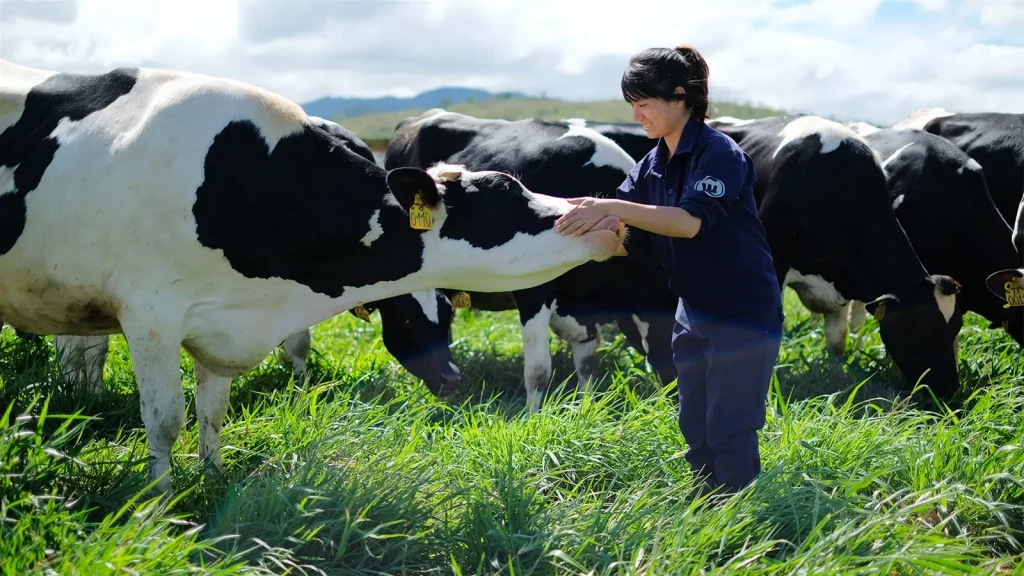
947,303
427,300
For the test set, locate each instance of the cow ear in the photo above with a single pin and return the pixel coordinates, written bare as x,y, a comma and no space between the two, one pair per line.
1007,284
408,182
877,306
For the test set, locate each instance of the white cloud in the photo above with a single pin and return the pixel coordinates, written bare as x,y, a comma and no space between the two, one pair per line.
851,59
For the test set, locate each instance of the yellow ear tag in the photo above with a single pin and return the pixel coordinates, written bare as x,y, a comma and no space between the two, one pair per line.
1014,295
880,311
461,300
420,217
361,313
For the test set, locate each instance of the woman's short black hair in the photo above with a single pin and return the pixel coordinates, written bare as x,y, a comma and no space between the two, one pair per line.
656,72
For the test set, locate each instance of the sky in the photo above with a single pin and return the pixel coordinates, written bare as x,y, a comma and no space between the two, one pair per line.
867,60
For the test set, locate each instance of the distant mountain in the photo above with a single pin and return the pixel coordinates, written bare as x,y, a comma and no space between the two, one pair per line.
441,97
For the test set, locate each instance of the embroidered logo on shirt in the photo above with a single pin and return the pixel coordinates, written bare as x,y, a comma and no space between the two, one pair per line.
711,186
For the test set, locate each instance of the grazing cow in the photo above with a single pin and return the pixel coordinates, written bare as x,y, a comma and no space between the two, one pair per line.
822,197
940,198
417,350
565,159
994,140
164,205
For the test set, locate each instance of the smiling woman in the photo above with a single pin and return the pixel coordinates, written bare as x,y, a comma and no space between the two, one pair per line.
693,195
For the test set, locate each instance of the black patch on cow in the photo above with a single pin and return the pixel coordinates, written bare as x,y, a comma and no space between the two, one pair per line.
479,219
299,212
27,145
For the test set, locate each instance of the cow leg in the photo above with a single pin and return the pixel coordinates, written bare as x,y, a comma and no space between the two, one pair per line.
94,357
858,314
297,345
584,340
212,394
156,356
69,354
536,355
836,330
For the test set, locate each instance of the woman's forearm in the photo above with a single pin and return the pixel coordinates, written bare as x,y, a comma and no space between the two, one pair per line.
664,220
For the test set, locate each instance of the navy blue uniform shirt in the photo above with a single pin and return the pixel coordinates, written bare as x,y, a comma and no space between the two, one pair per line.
726,270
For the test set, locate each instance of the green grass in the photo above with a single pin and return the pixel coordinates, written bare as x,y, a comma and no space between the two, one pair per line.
380,126
360,471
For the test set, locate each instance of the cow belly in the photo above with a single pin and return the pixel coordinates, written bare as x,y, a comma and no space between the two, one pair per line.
48,306
817,294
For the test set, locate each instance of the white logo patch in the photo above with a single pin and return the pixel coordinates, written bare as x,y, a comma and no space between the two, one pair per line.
711,186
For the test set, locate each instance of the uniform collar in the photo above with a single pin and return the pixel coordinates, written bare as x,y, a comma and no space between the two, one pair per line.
691,131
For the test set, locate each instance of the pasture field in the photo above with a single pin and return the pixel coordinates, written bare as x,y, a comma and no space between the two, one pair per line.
380,126
360,471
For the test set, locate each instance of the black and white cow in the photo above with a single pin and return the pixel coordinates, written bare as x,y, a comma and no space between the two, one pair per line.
164,205
419,351
941,200
994,139
822,197
564,159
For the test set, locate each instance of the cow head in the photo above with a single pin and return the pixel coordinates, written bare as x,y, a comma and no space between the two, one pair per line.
486,232
416,331
919,328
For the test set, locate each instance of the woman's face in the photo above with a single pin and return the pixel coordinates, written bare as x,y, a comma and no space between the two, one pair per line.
659,118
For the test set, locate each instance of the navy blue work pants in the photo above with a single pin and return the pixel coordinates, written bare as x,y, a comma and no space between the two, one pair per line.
724,367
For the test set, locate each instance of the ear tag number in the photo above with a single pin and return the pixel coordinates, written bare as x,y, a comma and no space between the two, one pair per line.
1014,295
420,217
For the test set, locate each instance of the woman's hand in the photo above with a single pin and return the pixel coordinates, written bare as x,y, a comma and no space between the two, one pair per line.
584,216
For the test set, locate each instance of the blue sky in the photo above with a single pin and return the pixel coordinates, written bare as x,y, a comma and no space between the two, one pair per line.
866,60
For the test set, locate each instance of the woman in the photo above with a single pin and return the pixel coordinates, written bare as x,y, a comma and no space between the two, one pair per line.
692,199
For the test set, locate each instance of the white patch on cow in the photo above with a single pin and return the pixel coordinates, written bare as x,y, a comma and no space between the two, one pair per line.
730,121
536,357
946,302
960,170
606,151
7,179
973,165
435,114
896,203
644,329
862,128
918,118
427,300
895,154
376,230
816,293
1018,226
576,121
830,133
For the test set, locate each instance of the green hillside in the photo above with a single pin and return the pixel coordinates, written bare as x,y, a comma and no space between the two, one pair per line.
377,127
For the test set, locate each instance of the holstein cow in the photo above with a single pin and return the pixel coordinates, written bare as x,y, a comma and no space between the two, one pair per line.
995,140
417,350
940,198
165,205
567,160
822,196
